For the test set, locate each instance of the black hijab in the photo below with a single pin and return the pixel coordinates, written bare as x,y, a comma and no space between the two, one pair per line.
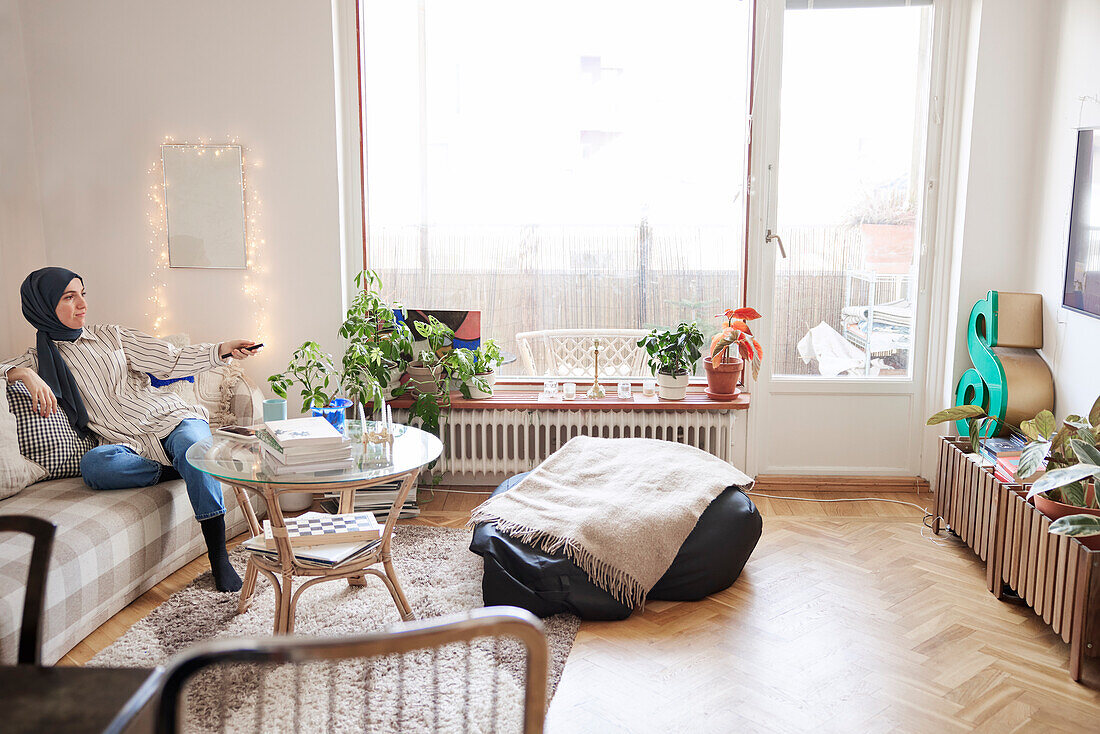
41,292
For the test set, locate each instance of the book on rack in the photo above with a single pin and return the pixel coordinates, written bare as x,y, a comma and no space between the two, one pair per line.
320,556
320,528
1006,470
303,454
1008,446
295,433
377,499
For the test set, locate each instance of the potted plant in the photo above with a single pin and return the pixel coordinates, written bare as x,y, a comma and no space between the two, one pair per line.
313,368
426,371
377,343
486,358
723,369
1071,456
433,371
672,357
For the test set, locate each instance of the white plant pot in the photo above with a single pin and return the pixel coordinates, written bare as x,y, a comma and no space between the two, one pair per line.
295,501
394,382
672,388
489,377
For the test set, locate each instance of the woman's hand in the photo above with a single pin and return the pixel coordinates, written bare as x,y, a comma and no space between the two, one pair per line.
236,348
43,400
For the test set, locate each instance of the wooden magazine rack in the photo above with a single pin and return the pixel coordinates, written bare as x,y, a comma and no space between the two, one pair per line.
1055,575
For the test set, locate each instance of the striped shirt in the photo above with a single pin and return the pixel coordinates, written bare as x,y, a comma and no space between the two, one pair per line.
109,364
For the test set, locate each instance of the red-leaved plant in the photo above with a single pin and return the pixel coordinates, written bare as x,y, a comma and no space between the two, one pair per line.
737,332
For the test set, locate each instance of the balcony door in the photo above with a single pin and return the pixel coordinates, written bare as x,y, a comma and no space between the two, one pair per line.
840,144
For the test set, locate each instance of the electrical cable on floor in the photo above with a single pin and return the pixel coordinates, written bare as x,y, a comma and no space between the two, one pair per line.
936,539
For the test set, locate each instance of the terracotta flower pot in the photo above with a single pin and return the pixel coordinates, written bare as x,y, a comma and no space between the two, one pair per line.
722,378
424,379
1055,510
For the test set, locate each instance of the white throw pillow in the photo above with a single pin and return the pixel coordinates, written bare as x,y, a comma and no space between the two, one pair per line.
16,472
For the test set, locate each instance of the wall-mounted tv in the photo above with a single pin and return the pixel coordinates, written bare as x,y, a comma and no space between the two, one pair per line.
1082,286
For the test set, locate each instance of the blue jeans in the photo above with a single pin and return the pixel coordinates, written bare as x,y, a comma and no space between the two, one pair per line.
118,467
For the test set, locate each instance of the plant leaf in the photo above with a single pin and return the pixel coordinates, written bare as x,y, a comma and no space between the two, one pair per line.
1061,477
1094,414
1045,423
748,313
1032,459
1028,427
1087,453
1074,494
1076,526
957,413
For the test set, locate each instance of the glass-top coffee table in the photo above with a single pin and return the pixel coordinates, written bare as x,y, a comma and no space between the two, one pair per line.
243,467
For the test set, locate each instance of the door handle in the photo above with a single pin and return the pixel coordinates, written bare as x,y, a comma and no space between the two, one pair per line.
769,236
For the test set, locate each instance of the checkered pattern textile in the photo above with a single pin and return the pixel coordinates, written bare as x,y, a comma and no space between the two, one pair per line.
110,547
49,442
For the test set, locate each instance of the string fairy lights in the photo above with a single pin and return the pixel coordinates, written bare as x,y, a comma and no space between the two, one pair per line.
158,238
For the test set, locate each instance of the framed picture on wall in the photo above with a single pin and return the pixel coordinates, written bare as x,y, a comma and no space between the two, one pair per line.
1081,292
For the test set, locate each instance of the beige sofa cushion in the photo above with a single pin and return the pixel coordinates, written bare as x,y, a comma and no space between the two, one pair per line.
16,472
110,547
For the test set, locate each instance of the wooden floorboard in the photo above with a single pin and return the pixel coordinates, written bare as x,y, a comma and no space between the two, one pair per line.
846,618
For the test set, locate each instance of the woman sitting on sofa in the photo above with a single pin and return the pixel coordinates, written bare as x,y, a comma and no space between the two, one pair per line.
96,375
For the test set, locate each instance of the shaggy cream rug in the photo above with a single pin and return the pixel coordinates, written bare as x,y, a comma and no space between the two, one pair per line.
416,692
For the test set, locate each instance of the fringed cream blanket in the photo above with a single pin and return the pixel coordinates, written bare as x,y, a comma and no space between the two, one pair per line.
619,507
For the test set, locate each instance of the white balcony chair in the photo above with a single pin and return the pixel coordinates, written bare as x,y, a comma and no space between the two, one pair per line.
567,353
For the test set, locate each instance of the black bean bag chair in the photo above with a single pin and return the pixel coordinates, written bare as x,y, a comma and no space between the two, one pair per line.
519,574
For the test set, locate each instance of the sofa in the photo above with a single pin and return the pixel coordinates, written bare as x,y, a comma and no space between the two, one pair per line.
112,546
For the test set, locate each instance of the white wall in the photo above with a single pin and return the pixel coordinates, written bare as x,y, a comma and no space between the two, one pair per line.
1071,100
21,237
1011,72
109,80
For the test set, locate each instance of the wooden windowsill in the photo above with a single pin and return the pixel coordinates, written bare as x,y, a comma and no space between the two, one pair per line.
695,400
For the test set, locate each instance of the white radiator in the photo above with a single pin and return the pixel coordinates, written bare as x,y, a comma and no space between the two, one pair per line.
489,445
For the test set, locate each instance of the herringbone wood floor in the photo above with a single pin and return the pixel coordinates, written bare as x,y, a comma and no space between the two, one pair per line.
845,619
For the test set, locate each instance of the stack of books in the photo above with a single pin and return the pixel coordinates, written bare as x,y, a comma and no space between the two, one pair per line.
302,445
378,499
322,540
1004,455
1008,446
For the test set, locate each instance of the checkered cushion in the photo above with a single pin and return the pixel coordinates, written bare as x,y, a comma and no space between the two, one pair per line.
49,442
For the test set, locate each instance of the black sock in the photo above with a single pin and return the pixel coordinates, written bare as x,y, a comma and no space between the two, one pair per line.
225,576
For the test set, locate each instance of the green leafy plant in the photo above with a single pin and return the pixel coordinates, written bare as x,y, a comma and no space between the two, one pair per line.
457,364
673,351
976,421
486,357
312,368
1070,453
377,342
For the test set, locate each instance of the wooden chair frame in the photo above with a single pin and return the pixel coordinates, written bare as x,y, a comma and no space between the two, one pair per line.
281,572
401,638
34,602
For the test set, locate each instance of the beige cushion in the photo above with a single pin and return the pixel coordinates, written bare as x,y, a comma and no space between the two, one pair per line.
16,472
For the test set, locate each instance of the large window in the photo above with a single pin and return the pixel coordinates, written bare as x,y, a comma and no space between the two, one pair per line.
567,165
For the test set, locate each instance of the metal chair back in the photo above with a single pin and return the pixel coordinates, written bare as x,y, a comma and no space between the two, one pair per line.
400,640
34,603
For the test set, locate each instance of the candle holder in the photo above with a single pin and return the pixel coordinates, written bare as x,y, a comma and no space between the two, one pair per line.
596,392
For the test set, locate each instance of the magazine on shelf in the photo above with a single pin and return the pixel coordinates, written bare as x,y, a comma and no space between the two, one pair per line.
321,556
